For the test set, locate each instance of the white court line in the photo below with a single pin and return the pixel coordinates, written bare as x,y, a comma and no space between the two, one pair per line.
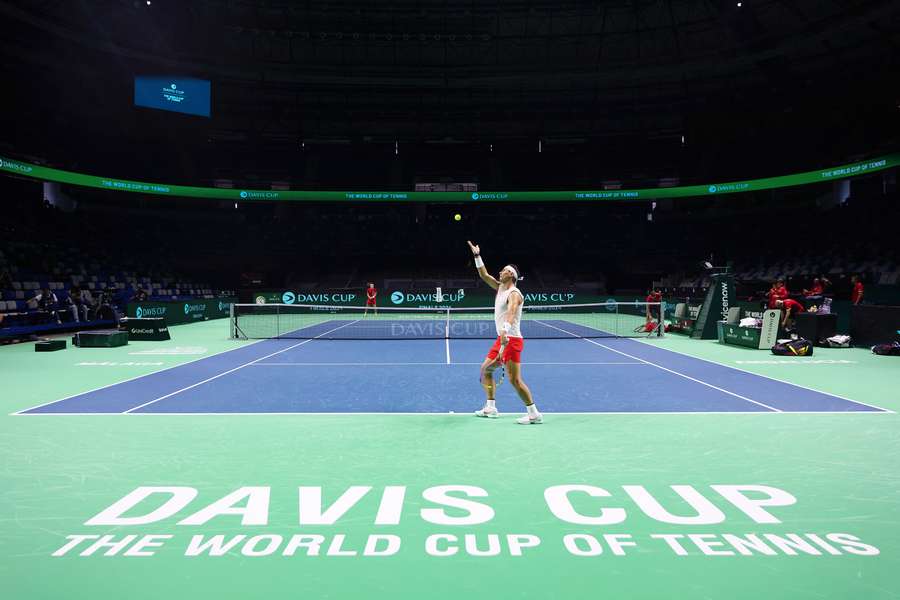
712,362
103,387
236,368
668,370
461,414
416,364
447,345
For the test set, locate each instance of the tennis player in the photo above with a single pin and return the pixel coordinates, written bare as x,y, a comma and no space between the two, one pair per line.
371,295
508,346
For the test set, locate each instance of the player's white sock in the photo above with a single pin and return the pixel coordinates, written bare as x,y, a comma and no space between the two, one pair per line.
532,410
491,404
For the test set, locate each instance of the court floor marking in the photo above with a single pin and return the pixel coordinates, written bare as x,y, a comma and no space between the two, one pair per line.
208,379
459,414
416,364
447,346
712,362
668,370
24,411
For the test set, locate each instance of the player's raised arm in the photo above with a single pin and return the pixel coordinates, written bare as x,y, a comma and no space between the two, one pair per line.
479,264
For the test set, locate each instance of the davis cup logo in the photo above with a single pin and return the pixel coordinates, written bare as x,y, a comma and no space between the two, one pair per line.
474,195
288,297
187,309
397,297
5,164
712,189
222,306
243,194
260,299
139,312
610,304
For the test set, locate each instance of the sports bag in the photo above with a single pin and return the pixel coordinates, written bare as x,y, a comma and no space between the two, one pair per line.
892,349
798,347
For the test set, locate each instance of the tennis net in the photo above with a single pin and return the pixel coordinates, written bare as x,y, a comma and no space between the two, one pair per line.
299,321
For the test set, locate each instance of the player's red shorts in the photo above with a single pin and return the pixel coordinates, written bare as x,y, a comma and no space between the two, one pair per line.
513,350
370,301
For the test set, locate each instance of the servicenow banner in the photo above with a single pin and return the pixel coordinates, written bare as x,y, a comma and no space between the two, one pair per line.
21,168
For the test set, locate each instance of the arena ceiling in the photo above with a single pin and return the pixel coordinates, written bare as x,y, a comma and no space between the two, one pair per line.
453,71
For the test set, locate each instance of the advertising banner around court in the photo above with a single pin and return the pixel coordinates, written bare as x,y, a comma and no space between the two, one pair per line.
458,298
25,169
187,311
760,338
719,298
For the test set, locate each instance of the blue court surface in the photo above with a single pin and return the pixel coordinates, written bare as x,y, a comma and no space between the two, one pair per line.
441,375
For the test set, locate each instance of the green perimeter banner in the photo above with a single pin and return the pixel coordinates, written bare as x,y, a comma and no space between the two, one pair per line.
176,313
460,298
14,167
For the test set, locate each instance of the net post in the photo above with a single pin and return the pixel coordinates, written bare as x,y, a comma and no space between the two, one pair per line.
616,329
278,320
660,330
231,321
447,323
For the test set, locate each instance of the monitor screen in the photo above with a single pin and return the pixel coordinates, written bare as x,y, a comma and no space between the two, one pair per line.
172,93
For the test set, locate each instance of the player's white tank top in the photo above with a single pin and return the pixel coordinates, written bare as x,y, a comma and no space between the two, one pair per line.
501,306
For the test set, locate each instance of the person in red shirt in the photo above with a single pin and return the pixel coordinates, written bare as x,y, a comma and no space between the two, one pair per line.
856,295
371,295
654,296
815,291
782,289
776,292
790,307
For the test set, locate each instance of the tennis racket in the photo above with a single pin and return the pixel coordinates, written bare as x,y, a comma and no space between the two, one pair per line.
496,370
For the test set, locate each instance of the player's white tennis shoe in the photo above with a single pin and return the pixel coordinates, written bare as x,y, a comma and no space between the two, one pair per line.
531,419
488,412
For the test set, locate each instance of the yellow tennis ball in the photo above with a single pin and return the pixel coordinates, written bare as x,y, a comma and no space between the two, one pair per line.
457,217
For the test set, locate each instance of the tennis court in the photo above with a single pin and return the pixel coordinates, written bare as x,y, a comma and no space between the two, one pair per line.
426,361
360,431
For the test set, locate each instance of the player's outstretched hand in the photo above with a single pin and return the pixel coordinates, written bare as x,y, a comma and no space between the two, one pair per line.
475,249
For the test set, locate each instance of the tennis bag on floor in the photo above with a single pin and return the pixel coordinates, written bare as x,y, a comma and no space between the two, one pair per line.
798,347
892,349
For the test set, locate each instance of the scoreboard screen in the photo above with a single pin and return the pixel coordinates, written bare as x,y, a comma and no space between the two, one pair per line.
172,93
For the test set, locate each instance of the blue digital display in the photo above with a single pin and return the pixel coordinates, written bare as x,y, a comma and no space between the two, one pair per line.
177,94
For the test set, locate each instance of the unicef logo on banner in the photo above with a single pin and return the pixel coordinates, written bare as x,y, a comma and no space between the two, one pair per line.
139,312
712,189
288,297
610,304
397,297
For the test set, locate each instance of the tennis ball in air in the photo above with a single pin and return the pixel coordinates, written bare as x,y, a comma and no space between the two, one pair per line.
457,217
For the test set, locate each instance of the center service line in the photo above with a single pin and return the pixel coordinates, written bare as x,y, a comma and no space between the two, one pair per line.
130,410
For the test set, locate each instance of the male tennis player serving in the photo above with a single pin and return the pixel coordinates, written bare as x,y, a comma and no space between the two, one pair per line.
507,349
